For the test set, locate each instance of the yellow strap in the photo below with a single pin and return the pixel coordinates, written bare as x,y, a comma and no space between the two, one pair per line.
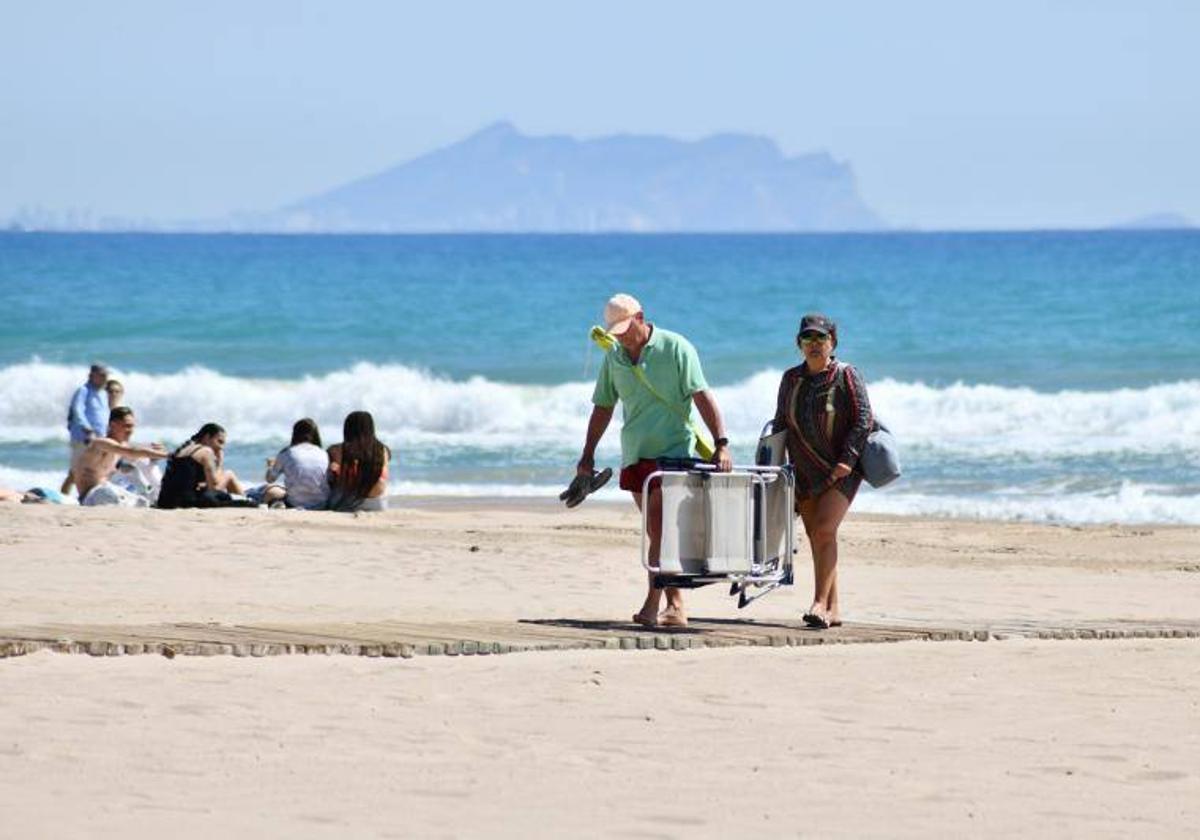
603,338
704,447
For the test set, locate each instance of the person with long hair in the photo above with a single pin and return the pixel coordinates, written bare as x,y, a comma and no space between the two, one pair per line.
196,475
358,466
304,466
823,405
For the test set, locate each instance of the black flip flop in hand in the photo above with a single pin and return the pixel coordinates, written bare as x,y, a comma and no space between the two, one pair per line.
582,486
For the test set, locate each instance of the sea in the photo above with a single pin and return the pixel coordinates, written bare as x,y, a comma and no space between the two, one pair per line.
1040,376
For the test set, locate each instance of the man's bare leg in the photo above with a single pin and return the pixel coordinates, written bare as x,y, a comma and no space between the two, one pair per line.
649,611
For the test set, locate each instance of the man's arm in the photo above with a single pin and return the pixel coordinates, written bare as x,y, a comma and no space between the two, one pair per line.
597,424
711,414
125,450
275,465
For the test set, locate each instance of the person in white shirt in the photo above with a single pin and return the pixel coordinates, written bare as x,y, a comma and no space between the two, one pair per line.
303,466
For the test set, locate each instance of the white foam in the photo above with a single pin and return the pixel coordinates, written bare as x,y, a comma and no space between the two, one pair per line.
993,421
17,479
410,405
1129,504
416,408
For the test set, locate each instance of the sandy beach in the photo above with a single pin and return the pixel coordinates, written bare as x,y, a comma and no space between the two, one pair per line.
1050,738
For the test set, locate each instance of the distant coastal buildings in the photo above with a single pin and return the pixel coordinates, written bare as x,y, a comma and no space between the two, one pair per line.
1157,221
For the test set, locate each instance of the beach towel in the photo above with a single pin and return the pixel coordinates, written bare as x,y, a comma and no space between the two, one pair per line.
106,493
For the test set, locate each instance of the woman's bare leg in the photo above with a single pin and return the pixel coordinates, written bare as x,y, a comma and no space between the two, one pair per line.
822,516
229,482
273,493
834,613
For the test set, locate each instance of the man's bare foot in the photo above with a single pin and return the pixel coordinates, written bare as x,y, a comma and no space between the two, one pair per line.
672,617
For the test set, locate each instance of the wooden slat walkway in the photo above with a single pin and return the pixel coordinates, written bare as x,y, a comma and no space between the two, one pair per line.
407,639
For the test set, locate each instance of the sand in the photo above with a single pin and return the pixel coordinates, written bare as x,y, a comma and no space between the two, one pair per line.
1077,738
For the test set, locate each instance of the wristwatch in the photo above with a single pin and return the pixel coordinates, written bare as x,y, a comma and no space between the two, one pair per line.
721,441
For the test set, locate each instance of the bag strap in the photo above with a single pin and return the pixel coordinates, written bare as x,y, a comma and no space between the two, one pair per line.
609,344
790,418
704,447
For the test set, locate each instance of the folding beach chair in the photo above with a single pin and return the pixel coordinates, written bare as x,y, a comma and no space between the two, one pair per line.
736,527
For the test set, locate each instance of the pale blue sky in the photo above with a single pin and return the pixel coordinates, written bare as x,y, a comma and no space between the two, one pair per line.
953,114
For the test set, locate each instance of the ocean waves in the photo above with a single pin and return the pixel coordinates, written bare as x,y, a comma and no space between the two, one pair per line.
409,404
417,407
970,451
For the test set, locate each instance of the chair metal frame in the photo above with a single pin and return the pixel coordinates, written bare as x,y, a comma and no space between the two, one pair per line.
765,573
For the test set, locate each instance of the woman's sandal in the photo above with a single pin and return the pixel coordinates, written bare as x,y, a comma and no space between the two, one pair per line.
644,620
816,621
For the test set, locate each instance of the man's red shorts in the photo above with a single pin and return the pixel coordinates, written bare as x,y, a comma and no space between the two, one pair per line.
634,476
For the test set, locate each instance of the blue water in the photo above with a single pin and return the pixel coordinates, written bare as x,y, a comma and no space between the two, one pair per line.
1034,375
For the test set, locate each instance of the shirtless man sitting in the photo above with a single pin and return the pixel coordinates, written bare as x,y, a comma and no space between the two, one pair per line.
95,465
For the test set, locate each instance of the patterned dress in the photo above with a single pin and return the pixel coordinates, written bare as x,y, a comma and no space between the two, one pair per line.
828,418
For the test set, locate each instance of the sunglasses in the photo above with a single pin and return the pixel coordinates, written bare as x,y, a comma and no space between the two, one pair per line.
813,338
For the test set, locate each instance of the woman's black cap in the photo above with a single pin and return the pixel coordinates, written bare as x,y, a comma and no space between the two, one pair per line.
816,322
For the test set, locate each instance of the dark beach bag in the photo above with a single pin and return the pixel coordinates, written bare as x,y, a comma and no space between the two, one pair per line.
221,499
880,460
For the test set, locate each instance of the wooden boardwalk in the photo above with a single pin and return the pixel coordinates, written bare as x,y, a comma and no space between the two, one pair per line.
478,638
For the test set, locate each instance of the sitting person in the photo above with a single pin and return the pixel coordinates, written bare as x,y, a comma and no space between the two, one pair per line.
358,466
32,496
195,475
140,475
94,467
304,467
116,393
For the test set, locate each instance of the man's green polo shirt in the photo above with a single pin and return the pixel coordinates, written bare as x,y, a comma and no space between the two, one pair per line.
651,429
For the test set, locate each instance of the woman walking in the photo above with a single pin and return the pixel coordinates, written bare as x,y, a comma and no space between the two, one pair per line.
824,407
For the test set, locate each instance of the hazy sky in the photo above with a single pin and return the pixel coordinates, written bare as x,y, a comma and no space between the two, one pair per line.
953,114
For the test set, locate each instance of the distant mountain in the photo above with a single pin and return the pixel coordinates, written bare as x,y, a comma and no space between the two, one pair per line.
501,180
1156,221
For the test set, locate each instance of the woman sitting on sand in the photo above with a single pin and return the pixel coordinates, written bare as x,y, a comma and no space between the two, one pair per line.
195,475
304,467
358,466
823,405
